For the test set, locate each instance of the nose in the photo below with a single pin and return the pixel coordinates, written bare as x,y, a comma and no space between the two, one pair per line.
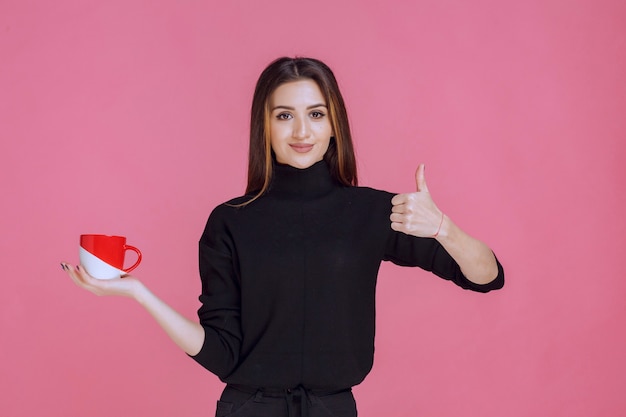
301,128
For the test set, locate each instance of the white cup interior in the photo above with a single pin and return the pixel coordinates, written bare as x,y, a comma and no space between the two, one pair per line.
96,267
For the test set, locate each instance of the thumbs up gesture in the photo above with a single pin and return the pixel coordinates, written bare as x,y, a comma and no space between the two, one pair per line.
416,213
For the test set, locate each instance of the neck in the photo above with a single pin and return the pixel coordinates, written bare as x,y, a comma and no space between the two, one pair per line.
314,181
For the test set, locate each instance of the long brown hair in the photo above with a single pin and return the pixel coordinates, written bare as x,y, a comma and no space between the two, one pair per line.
340,154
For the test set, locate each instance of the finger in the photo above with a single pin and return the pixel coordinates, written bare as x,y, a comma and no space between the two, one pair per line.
396,218
399,199
420,178
400,208
398,227
80,276
88,279
71,271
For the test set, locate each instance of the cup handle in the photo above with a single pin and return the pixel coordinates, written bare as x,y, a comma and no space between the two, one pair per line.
138,252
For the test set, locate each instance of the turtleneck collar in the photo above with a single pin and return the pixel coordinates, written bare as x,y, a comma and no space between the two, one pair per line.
314,181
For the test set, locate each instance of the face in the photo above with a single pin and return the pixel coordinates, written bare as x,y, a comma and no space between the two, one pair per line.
300,128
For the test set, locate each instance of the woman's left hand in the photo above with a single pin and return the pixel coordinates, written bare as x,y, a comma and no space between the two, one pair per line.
416,213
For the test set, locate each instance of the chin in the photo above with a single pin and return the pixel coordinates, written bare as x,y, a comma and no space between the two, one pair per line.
300,163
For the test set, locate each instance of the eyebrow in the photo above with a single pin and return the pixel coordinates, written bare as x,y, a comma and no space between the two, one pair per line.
293,108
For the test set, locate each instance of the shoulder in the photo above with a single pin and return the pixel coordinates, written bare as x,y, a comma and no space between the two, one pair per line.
371,194
369,201
229,208
223,213
221,223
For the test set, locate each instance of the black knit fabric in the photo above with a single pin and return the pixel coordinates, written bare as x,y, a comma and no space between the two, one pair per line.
288,281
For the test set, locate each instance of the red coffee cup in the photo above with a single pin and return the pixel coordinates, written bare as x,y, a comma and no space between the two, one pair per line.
109,251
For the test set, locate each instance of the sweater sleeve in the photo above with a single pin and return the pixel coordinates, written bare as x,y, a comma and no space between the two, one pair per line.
220,311
430,255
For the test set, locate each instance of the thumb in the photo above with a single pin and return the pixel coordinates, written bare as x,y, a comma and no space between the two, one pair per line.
420,179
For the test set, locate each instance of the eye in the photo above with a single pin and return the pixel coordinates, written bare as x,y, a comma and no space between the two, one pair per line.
317,114
283,116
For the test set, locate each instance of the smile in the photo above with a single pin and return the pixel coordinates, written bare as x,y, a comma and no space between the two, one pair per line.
301,147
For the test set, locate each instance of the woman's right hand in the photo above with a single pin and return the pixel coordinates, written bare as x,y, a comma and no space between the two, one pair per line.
187,334
127,286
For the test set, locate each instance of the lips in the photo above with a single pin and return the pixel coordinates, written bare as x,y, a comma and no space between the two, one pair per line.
301,147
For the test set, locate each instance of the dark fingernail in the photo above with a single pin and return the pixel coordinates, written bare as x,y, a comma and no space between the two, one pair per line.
62,267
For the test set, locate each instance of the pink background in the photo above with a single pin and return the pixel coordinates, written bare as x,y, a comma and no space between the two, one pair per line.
131,117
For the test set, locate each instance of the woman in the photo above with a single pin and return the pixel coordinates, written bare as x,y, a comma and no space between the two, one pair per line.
289,269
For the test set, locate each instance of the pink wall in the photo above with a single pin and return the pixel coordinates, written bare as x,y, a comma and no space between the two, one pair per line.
130,117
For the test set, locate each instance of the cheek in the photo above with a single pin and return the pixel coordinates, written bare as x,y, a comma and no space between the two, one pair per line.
323,130
275,136
326,146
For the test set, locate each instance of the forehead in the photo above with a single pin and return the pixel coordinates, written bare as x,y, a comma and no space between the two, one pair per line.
301,92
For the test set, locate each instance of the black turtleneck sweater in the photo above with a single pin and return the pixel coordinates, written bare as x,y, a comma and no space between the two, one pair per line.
288,281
